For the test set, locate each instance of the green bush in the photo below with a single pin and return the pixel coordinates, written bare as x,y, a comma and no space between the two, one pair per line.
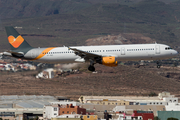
172,119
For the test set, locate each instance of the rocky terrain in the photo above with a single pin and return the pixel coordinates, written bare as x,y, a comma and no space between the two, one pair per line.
125,38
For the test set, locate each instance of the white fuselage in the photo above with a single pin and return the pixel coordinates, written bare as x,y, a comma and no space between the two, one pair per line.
121,52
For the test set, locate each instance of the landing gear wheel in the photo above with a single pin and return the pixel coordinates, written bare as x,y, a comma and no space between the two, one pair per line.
91,68
158,66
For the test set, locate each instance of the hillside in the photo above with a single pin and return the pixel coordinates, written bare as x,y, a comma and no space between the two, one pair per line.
26,8
58,22
125,38
122,80
46,23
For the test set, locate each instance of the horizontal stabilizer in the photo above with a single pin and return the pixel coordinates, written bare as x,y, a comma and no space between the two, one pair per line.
14,54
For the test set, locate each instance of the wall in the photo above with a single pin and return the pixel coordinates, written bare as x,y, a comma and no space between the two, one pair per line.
8,118
49,112
145,116
164,115
90,117
72,111
65,118
172,107
122,102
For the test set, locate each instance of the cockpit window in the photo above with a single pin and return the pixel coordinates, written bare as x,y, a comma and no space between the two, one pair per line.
168,48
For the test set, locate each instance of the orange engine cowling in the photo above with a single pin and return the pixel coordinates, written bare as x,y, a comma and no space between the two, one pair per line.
109,61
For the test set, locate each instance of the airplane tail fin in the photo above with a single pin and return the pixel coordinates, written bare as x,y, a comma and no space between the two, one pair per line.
16,41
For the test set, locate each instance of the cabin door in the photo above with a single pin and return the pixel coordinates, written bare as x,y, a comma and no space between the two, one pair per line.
123,51
157,49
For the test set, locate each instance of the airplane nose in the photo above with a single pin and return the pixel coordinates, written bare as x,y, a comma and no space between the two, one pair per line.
176,52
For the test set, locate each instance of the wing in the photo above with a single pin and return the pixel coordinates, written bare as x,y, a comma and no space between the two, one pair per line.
84,54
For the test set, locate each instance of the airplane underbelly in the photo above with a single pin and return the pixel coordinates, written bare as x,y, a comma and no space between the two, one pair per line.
133,56
58,58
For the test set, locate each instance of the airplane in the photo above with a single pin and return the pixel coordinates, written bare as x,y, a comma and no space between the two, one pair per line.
107,55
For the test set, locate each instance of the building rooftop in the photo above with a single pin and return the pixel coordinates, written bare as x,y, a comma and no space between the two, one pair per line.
25,101
24,97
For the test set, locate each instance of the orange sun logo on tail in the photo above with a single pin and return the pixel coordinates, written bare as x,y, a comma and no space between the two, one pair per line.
16,42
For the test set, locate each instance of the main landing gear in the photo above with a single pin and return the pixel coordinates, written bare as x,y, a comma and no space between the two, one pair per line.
91,66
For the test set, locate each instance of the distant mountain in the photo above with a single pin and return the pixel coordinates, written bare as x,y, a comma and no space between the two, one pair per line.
34,8
72,22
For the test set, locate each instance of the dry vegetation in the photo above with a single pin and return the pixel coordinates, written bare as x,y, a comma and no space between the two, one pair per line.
122,80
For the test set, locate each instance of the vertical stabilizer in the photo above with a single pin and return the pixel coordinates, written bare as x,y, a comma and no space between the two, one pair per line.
16,41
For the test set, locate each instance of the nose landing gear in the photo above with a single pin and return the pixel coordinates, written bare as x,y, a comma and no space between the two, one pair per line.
158,64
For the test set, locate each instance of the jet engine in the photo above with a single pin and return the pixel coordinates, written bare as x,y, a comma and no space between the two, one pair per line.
109,61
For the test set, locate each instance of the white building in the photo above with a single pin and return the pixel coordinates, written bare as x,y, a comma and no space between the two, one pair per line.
171,99
121,117
149,102
50,111
66,102
173,104
15,106
173,107
46,74
88,99
69,116
164,99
